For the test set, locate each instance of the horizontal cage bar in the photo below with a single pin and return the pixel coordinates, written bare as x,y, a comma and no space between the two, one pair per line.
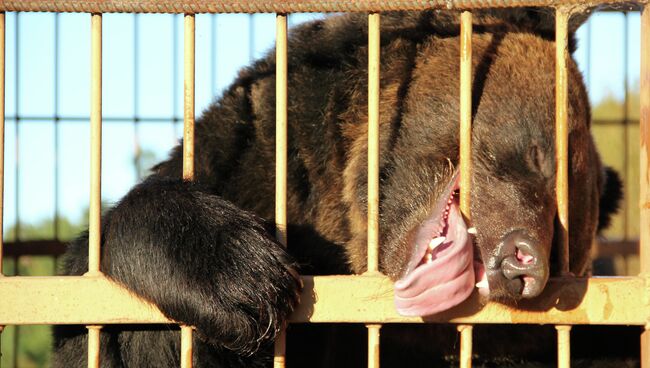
285,6
330,299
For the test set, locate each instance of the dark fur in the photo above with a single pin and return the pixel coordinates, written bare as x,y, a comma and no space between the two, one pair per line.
195,251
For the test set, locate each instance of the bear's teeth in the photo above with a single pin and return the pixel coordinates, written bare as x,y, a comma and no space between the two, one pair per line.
472,230
435,242
428,257
482,284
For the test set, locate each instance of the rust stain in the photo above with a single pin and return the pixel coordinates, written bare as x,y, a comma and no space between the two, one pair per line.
608,307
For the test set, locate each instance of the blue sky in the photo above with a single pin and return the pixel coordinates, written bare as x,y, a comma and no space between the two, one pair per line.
227,41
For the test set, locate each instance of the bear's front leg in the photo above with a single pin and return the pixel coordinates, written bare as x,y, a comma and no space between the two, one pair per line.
203,262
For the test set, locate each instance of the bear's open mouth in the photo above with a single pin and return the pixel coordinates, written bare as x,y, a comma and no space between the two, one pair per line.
442,271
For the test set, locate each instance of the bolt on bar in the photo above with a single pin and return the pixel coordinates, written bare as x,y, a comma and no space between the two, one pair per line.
563,346
644,170
94,226
562,135
374,45
281,69
2,130
188,149
465,154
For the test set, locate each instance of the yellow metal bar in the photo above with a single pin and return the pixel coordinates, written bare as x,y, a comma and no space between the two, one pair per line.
644,172
465,112
2,131
281,68
93,346
563,346
465,345
186,347
373,345
188,105
281,128
280,349
562,135
373,141
188,148
329,299
94,225
465,154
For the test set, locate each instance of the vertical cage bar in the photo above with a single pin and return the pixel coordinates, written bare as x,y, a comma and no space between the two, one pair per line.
373,141
465,345
644,169
93,346
563,346
281,129
2,131
374,44
562,135
373,345
94,227
281,69
188,109
188,147
465,154
57,28
465,112
186,347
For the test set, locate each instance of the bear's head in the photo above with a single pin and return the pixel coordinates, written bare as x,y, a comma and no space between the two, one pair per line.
508,248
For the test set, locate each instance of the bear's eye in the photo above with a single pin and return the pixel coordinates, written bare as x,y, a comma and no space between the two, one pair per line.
538,161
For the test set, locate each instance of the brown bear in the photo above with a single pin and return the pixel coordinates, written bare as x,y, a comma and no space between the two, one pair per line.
204,252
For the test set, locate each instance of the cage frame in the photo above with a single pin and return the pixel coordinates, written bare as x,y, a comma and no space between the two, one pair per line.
77,299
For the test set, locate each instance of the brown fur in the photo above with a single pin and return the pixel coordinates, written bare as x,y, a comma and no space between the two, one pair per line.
512,184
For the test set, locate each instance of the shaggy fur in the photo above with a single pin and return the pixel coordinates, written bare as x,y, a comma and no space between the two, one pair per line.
198,252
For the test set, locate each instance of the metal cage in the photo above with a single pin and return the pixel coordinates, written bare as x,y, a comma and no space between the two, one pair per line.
93,300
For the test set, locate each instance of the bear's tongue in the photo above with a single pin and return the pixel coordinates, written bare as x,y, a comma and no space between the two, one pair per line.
442,272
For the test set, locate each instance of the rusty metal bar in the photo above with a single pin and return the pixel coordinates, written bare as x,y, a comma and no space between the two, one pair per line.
2,131
644,173
94,225
93,346
373,345
286,6
186,347
563,346
34,248
330,299
188,110
465,345
281,68
562,135
373,141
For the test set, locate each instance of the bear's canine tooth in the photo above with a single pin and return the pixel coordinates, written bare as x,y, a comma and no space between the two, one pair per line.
435,242
482,284
472,230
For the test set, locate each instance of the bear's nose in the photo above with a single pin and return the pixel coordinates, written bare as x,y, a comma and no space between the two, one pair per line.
524,264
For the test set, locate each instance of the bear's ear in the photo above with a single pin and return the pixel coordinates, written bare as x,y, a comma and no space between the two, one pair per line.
610,198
